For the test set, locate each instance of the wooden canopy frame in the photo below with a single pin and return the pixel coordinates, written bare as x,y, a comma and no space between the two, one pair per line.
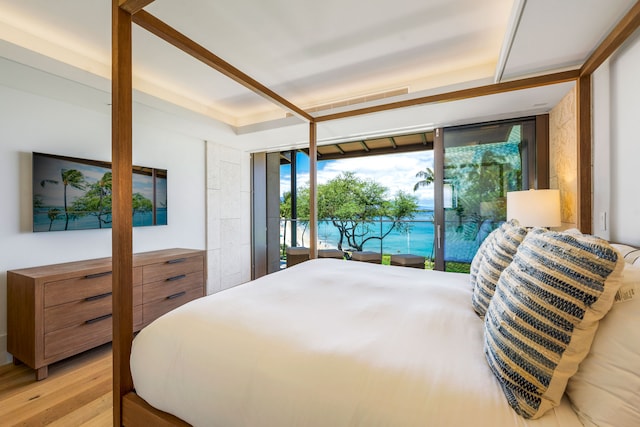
128,408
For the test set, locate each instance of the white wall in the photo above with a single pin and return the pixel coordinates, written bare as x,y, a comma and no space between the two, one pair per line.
228,217
30,122
616,98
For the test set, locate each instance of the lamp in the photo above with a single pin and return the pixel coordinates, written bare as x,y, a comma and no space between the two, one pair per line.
534,208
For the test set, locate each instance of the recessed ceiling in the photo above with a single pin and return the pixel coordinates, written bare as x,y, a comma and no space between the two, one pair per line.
315,54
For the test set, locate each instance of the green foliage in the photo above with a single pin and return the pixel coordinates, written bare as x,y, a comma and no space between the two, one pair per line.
457,267
96,201
426,177
53,214
70,178
285,205
485,179
354,206
303,209
141,204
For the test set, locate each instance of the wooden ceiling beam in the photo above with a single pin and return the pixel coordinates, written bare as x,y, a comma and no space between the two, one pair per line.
134,6
456,95
627,26
179,40
375,152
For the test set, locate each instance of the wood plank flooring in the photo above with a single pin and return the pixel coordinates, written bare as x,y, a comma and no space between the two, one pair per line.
76,393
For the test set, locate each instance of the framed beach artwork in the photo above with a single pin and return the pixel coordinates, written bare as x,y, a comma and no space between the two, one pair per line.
75,194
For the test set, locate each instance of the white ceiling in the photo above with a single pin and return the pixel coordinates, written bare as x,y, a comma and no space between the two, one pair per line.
316,53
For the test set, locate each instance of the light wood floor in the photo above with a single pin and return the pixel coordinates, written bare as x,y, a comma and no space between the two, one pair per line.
76,393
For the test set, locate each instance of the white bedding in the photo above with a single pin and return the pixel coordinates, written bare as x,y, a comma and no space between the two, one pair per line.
328,343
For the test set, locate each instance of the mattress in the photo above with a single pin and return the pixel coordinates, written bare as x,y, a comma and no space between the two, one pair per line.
328,343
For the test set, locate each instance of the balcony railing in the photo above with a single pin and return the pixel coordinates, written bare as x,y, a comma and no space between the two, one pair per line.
414,237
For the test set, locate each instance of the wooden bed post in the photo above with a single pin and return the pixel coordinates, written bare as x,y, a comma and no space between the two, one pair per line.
122,252
313,195
584,161
121,158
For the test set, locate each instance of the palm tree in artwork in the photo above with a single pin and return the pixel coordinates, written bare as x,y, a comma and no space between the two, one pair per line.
52,214
75,179
426,177
70,177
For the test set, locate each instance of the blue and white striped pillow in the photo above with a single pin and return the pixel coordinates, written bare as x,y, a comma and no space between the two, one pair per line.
545,311
497,256
479,256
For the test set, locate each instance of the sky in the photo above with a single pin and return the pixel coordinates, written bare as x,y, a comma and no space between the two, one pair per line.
394,171
52,194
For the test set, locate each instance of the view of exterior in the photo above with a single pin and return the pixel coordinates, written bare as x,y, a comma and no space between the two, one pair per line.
386,203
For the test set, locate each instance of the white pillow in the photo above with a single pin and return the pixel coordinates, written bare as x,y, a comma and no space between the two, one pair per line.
606,389
631,255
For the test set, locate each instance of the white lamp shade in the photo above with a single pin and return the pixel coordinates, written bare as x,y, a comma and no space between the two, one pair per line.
534,208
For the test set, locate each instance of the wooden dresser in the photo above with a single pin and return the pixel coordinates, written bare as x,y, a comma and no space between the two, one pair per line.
59,310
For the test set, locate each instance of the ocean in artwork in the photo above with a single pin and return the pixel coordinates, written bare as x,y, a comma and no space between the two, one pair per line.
42,222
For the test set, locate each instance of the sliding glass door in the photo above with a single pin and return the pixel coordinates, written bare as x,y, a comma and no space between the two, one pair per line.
479,164
454,180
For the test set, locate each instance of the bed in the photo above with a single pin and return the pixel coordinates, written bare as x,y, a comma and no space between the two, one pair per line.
459,389
327,343
344,343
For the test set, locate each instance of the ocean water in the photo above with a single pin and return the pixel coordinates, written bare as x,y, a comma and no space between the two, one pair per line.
418,240
41,220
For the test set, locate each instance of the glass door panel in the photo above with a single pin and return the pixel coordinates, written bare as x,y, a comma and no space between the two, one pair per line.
481,163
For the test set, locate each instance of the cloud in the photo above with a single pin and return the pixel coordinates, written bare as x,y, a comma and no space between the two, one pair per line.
395,171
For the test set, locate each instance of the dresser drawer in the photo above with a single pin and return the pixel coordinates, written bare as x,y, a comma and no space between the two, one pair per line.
80,337
153,310
77,288
84,286
172,268
75,313
78,312
84,335
160,290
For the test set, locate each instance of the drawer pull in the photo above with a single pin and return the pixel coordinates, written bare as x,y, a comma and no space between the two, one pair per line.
178,277
177,260
97,319
97,297
179,294
96,275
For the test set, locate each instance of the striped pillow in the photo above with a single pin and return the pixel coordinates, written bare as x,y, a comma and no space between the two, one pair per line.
497,256
544,314
479,256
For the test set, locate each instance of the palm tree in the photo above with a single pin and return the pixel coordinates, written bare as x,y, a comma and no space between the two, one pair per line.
426,177
75,179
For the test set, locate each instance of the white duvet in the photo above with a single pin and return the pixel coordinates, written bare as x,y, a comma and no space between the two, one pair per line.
328,343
